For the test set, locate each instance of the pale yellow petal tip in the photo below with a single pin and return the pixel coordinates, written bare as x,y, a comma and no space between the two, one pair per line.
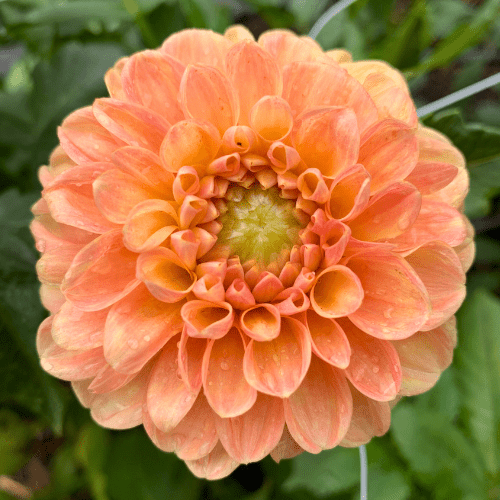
340,55
237,33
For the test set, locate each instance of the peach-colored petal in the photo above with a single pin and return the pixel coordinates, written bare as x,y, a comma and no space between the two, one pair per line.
84,139
224,384
424,356
152,79
328,340
253,74
267,287
337,292
305,280
466,251
436,221
277,367
132,123
136,328
210,288
374,368
286,448
396,303
206,95
113,80
388,214
207,319
108,380
165,275
334,237
318,413
349,193
239,295
312,186
195,46
311,255
439,268
76,329
116,193
122,409
429,177
237,32
71,200
261,322
291,301
51,297
149,224
84,396
369,418
216,465
191,351
168,397
286,47
339,55
283,158
101,274
311,84
193,438
389,152
271,118
252,435
53,264
239,139
189,143
186,183
327,139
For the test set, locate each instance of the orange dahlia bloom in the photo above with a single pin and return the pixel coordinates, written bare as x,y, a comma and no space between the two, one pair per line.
250,248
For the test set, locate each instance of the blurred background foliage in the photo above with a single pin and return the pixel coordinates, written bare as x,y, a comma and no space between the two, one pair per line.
443,445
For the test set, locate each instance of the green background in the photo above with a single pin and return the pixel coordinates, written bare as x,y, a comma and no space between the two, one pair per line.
444,444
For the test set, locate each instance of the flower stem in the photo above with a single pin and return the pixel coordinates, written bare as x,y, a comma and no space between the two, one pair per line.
329,14
364,472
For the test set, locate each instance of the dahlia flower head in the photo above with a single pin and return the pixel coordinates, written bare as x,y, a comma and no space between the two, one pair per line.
250,248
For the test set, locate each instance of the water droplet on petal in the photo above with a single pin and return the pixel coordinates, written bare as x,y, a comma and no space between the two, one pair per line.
375,369
224,366
147,338
133,343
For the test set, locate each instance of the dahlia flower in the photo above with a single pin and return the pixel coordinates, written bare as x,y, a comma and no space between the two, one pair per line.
250,248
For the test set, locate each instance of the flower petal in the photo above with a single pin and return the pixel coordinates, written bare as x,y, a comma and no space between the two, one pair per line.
206,95
253,435
224,384
216,465
328,340
101,274
261,322
271,117
429,177
253,74
286,448
131,123
191,351
374,368
291,301
327,139
337,292
207,319
318,413
108,380
424,356
389,152
168,397
277,367
388,214
136,328
311,84
385,313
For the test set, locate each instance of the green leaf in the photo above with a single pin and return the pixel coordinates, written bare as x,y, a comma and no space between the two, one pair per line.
463,37
478,359
445,14
438,453
329,472
484,187
479,143
137,470
206,14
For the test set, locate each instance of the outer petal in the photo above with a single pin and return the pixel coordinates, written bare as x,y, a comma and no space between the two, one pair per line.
439,268
310,84
328,340
101,274
252,436
253,73
108,380
374,369
429,177
216,465
84,139
195,46
137,327
207,95
224,384
424,356
122,409
396,303
389,152
132,123
286,448
327,139
237,32
191,352
277,367
369,418
318,413
388,214
168,397
152,79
